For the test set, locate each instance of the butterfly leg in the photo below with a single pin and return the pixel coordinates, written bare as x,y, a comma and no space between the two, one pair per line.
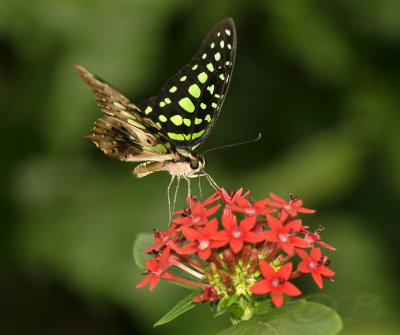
201,195
176,193
169,199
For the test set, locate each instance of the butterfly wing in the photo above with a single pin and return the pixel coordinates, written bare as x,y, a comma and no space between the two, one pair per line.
125,132
188,105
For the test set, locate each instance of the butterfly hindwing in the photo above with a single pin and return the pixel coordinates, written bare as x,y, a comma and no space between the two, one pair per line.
125,132
188,105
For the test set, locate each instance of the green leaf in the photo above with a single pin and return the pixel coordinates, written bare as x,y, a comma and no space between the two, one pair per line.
300,318
142,242
181,307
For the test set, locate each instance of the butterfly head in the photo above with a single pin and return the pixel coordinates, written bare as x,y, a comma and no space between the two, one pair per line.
194,162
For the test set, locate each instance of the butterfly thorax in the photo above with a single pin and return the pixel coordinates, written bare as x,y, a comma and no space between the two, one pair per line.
186,164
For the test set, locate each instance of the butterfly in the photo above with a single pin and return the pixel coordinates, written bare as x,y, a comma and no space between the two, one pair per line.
164,131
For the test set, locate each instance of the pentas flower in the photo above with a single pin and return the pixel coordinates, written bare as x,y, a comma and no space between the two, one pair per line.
284,235
203,242
197,214
163,239
314,263
275,282
157,268
236,234
250,208
288,208
229,199
245,250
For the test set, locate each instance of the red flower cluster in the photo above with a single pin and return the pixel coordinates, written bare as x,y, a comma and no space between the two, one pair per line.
238,256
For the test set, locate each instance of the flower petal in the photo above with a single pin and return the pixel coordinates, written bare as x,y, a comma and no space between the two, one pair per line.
228,223
204,254
267,270
236,245
261,287
315,254
317,278
290,289
285,270
251,237
274,223
277,299
248,223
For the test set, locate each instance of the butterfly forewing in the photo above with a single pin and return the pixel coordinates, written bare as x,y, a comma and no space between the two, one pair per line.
188,105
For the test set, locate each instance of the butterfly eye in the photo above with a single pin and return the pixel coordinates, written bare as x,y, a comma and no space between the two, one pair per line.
194,164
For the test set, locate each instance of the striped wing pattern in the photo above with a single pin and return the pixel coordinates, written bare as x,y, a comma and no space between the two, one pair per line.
124,132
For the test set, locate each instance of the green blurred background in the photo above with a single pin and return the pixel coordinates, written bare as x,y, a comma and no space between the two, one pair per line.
319,79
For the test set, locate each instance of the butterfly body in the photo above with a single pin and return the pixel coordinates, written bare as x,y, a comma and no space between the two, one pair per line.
163,131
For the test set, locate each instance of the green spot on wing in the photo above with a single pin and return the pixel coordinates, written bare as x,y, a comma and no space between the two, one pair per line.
208,118
176,137
210,67
202,77
187,122
173,89
203,106
187,105
160,148
176,120
196,135
148,110
162,118
197,121
194,90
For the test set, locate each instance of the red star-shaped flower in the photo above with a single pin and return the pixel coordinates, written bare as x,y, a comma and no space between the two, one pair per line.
315,264
237,235
275,282
157,269
229,199
203,242
164,238
251,209
288,208
284,234
315,238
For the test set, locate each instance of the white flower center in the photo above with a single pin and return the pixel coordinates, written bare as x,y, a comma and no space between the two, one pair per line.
237,234
283,237
312,265
204,244
275,282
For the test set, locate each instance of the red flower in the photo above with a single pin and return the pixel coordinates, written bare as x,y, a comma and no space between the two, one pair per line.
252,209
237,235
201,242
288,208
229,199
315,264
315,238
196,216
163,238
283,234
275,282
157,269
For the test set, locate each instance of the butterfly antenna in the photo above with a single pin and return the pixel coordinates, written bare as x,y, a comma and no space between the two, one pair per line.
234,144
